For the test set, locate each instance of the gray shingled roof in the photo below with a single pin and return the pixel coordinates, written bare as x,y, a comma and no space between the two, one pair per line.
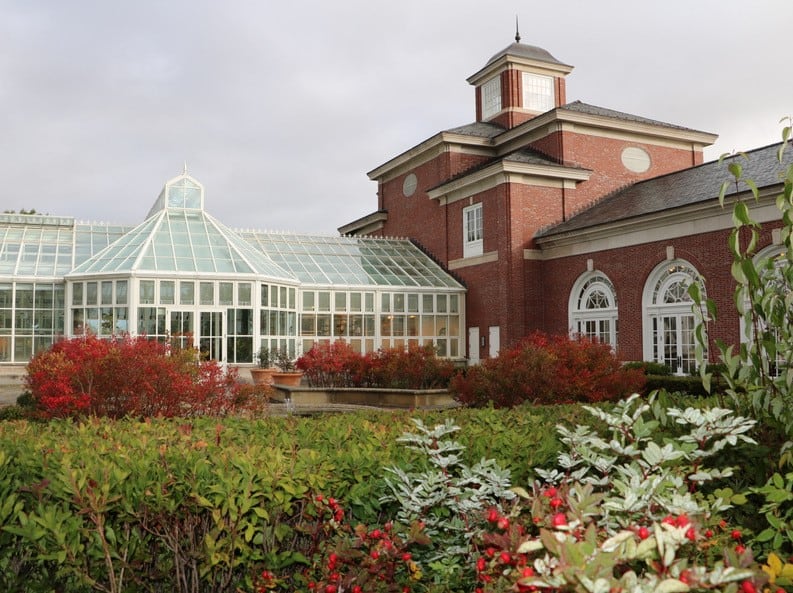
479,129
675,190
580,107
530,52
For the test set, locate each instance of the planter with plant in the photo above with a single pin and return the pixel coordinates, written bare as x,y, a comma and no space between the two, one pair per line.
286,373
263,374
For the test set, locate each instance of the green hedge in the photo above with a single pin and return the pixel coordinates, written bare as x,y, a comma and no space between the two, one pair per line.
683,383
202,505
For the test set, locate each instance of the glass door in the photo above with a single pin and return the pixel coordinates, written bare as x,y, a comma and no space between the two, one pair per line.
210,335
677,343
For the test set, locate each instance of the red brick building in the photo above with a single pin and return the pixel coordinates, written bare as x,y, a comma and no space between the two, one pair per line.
567,217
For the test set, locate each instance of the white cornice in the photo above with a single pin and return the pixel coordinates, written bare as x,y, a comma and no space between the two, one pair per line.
502,172
562,119
465,262
430,149
508,61
364,226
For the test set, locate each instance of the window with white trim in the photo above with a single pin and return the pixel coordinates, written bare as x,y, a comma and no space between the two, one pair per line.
593,309
491,97
669,323
472,231
537,92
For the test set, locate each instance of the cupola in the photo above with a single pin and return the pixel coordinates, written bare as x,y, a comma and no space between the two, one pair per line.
518,83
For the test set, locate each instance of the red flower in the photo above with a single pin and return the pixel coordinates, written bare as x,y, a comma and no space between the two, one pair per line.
559,520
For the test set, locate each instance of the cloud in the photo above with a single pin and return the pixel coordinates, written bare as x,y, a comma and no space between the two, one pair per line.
280,109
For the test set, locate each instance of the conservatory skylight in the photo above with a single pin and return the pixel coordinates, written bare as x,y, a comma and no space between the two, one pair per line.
353,261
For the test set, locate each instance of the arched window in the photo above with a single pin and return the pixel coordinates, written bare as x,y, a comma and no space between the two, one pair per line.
593,308
668,320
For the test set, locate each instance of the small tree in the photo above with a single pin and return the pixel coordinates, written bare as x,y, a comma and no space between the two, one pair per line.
759,371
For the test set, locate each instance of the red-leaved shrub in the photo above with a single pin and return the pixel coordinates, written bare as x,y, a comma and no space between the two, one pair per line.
418,367
338,365
545,369
332,364
127,376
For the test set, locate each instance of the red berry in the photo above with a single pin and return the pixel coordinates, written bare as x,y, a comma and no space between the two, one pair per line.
748,587
330,588
685,577
736,534
681,521
644,533
708,533
740,548
376,534
550,492
357,589
406,557
503,523
669,520
559,520
556,503
527,572
492,515
490,552
691,534
374,554
505,557
481,564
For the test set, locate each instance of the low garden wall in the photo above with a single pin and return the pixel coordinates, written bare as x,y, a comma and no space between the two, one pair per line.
384,398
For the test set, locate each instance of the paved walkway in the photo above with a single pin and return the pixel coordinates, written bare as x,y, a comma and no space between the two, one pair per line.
11,383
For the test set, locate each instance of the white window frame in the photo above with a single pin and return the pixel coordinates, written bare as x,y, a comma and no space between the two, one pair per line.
491,97
538,92
473,231
606,318
671,274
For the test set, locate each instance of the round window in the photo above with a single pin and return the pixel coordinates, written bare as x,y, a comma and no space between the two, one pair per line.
409,185
635,159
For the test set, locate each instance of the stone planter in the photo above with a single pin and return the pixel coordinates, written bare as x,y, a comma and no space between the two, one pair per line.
290,378
262,376
381,398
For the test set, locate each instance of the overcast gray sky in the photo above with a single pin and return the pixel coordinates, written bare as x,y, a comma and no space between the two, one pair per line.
281,108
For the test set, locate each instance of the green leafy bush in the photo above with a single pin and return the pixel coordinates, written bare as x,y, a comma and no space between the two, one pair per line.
547,370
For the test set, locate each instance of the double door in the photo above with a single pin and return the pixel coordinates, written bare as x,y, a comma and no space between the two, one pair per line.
677,343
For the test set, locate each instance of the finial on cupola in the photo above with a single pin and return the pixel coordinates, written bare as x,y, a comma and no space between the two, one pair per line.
517,30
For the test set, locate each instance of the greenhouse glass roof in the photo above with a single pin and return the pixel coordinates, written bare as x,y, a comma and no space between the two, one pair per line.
354,261
182,241
179,237
49,246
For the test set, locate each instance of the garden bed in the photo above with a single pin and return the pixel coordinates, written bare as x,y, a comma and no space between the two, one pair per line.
364,396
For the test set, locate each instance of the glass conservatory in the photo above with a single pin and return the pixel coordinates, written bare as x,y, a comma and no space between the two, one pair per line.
183,276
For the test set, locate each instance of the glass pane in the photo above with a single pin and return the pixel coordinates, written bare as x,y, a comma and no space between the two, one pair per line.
77,293
146,292
226,293
91,293
265,296
244,293
167,289
187,293
207,293
121,292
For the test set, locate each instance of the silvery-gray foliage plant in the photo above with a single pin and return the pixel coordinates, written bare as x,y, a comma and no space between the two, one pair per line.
639,477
